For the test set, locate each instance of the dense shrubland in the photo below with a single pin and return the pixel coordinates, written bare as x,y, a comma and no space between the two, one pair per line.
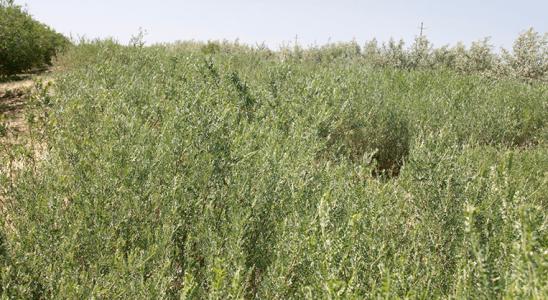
225,171
24,42
528,59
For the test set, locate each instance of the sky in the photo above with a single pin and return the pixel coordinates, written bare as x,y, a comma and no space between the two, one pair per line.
279,22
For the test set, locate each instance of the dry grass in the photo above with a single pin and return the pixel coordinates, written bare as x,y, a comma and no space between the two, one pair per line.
14,98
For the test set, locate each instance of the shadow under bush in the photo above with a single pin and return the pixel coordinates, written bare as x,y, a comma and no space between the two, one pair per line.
379,136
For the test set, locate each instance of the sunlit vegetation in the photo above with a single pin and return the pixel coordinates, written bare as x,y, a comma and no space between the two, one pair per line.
225,171
25,43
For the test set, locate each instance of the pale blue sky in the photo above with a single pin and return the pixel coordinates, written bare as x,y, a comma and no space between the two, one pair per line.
276,22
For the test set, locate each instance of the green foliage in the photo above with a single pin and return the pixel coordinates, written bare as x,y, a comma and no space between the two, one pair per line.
529,58
173,173
211,48
24,42
377,133
527,61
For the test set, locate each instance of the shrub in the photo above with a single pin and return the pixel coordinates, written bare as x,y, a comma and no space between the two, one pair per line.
211,48
420,55
378,135
334,51
174,174
529,58
394,54
443,57
24,42
371,52
480,56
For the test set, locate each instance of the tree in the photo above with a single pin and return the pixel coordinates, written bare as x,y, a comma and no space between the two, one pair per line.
530,55
24,42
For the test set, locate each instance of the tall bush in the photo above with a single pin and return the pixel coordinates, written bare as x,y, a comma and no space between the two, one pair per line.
24,42
529,58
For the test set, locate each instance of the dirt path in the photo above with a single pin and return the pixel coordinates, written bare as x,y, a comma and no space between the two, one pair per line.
15,132
13,96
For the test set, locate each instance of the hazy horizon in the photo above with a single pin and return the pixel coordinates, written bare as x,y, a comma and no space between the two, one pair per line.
279,23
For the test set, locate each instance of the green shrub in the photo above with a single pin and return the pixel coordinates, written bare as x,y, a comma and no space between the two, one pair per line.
210,48
332,52
529,57
170,173
376,134
24,42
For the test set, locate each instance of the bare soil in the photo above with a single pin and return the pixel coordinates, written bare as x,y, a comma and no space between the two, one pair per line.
13,96
13,128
